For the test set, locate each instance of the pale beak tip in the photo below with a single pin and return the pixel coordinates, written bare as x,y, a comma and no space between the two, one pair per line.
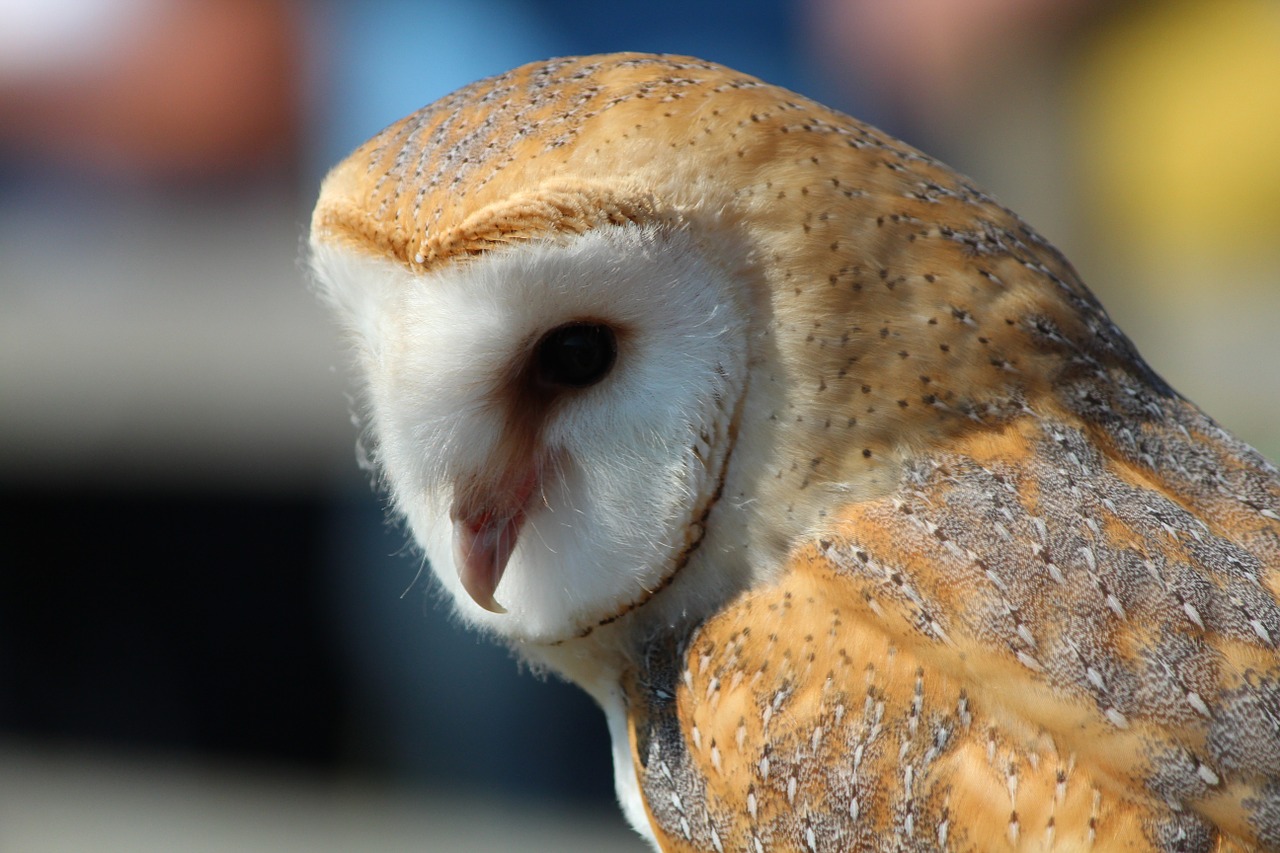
492,606
481,593
481,560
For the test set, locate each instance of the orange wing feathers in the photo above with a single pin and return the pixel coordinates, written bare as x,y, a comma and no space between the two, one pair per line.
1030,645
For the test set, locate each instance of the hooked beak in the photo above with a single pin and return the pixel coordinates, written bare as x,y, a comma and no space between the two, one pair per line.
484,538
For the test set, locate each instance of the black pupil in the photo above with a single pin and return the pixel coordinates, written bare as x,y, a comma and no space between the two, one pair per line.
576,355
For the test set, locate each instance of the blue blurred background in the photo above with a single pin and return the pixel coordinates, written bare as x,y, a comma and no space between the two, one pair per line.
210,637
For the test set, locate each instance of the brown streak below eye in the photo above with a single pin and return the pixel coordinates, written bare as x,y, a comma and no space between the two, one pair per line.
575,355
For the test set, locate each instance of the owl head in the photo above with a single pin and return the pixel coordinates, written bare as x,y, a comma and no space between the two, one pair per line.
625,323
552,417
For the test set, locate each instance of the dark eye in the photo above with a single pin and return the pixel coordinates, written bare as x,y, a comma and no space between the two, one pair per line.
576,355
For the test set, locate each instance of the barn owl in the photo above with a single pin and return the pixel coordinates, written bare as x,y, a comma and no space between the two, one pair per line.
819,470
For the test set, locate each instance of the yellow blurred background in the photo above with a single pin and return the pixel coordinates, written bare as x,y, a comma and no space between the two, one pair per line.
209,638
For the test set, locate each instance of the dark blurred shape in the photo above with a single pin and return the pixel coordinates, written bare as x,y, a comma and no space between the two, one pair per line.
179,621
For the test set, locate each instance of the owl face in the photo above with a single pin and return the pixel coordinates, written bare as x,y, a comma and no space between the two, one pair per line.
551,417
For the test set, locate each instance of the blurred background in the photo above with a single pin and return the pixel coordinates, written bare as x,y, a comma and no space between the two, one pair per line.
210,637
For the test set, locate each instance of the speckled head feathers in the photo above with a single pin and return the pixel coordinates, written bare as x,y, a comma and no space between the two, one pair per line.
546,148
568,144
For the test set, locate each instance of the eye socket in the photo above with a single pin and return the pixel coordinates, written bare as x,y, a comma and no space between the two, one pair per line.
576,355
